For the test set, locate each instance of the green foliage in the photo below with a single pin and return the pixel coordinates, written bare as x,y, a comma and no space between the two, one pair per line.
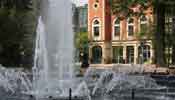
81,40
145,33
123,7
18,4
9,26
17,32
140,35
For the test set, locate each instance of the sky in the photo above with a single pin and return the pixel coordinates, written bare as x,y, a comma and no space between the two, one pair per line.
80,2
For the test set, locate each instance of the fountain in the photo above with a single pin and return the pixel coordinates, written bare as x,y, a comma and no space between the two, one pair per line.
53,65
53,72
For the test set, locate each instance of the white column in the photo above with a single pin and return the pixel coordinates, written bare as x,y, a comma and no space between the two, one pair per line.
107,53
90,54
103,54
124,52
135,54
151,53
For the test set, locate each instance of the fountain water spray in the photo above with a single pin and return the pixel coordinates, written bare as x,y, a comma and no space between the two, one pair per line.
53,72
53,64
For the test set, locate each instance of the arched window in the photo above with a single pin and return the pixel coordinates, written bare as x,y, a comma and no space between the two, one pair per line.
144,53
96,55
143,24
117,27
130,27
96,28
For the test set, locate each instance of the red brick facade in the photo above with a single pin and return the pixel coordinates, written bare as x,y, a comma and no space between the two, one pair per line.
100,10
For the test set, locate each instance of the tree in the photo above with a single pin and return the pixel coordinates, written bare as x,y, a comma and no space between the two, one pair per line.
18,4
81,42
124,9
17,32
159,34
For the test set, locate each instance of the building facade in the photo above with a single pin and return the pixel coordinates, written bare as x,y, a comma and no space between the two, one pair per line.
75,19
165,21
115,40
82,17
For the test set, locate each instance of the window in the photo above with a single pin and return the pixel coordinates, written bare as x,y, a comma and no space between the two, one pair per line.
96,31
169,54
143,24
169,48
130,27
96,55
96,4
117,27
130,54
96,28
118,54
168,25
144,53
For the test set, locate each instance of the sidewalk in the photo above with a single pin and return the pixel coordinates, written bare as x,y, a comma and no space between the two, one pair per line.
134,68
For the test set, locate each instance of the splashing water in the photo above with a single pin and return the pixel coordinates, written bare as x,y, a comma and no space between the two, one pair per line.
53,72
13,80
53,63
107,81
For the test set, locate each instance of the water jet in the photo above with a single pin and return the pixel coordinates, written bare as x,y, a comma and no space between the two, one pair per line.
53,71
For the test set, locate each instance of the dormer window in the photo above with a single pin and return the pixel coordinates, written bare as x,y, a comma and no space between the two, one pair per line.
117,27
130,27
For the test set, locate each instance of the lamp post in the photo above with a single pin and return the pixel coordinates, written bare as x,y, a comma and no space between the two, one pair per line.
70,94
132,94
142,51
22,54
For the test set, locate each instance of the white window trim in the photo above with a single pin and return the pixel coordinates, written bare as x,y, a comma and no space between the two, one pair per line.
96,38
130,24
113,30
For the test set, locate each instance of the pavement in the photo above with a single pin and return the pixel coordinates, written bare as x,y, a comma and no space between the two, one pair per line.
135,68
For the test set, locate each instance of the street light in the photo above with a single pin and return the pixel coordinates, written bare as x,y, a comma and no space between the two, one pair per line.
142,51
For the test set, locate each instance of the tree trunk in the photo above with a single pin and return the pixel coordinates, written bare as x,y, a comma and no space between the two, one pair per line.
160,33
173,51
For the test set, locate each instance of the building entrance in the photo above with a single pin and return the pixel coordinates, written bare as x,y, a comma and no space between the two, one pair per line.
96,55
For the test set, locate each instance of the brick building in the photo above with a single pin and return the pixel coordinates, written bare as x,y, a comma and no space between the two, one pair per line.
116,40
